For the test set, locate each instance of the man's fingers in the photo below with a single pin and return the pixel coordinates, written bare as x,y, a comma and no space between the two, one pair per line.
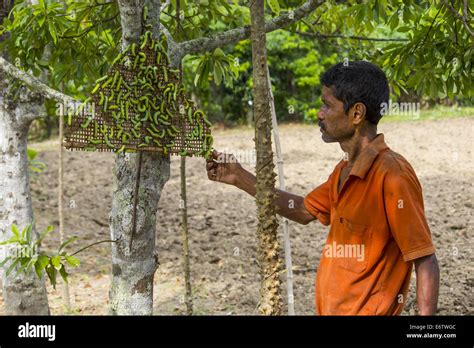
212,174
216,154
210,165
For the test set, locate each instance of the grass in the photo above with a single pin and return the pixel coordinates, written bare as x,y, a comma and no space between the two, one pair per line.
435,113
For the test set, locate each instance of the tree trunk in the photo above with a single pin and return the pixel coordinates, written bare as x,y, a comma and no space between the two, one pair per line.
268,258
133,270
25,294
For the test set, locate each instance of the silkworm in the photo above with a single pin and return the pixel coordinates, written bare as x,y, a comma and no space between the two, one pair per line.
190,115
127,105
162,121
96,88
125,137
106,83
119,83
154,127
103,78
115,79
117,59
107,142
145,40
171,134
101,100
94,141
149,130
105,103
207,121
119,96
86,123
121,149
155,117
176,130
165,73
135,133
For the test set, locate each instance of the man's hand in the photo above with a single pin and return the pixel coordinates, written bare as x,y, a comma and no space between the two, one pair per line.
224,168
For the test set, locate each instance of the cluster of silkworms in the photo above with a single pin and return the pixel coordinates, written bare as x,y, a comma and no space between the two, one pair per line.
143,106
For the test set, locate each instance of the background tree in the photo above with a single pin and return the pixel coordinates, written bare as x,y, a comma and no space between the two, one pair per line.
268,250
410,40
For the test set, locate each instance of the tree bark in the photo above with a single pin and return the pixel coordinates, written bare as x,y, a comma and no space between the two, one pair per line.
25,294
268,258
133,269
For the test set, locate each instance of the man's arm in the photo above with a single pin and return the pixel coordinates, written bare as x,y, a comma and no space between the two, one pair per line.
226,169
427,284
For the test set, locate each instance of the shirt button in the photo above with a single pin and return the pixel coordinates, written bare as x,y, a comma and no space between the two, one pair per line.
341,220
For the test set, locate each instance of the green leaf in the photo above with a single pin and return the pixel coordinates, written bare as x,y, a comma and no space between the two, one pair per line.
73,261
44,234
30,264
66,243
52,272
41,264
63,273
15,231
218,73
52,31
56,261
4,261
31,154
274,6
12,266
13,239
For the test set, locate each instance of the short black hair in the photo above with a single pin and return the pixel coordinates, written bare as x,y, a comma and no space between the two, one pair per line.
359,81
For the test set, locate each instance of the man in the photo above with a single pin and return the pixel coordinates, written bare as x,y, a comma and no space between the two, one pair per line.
372,201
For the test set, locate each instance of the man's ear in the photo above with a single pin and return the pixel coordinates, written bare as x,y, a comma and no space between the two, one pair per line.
358,111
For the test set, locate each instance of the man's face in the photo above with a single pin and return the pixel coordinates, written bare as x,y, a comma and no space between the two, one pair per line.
336,126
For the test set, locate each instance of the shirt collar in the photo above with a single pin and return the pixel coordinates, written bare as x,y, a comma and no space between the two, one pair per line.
367,157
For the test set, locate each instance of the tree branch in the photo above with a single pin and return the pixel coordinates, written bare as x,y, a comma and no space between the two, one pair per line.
231,36
463,18
165,5
360,38
34,84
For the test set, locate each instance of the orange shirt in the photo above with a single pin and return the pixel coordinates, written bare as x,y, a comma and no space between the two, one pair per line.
378,227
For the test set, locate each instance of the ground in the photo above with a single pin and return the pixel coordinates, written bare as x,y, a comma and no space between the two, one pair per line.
222,219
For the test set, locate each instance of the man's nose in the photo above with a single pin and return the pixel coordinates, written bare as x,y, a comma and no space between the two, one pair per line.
320,115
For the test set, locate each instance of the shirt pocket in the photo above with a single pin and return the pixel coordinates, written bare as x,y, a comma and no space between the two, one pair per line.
354,241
